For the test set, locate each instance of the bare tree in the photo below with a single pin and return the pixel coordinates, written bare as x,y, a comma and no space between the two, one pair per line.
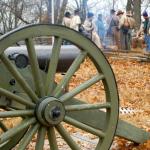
14,13
135,7
59,9
11,14
62,11
137,12
129,5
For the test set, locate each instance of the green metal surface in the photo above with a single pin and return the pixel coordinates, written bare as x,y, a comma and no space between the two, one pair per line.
37,97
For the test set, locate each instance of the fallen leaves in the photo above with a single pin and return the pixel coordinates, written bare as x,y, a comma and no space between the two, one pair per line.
133,80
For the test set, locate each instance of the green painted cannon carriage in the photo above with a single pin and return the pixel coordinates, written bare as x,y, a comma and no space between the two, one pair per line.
30,92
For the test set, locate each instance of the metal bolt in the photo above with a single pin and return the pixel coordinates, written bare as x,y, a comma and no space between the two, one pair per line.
12,82
55,113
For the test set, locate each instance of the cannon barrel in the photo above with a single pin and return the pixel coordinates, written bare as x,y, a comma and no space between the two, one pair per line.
20,55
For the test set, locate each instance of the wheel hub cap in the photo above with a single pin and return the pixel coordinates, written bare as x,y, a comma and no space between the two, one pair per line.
50,111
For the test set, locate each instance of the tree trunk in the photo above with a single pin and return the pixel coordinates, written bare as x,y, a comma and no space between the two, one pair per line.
83,10
129,5
49,10
137,12
56,10
62,11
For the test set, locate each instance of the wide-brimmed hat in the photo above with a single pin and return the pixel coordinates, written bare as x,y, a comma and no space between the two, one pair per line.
120,12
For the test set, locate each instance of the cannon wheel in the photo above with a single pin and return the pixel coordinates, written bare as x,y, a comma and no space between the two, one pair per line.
48,108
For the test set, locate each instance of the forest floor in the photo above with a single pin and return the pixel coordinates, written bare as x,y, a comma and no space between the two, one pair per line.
133,80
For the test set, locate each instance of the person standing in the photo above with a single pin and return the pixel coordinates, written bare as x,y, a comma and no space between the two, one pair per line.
100,27
112,31
145,27
66,22
67,19
126,24
90,28
120,14
76,20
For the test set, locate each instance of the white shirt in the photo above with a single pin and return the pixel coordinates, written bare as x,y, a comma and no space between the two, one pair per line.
75,22
66,21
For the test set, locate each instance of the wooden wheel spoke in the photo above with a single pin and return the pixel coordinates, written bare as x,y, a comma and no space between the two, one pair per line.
40,138
28,137
73,68
82,87
84,127
35,67
53,65
52,138
16,98
16,113
13,131
66,136
87,107
12,69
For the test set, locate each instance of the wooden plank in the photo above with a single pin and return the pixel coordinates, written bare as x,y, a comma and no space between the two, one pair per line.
131,132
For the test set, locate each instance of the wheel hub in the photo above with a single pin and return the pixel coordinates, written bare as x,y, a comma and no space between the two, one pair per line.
50,111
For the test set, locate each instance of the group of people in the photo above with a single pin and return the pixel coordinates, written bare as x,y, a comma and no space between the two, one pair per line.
120,27
124,33
119,30
88,28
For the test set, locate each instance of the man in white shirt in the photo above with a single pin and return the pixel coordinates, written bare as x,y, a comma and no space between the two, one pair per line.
67,19
75,21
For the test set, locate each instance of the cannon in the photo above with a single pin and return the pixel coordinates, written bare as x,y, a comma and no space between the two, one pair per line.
29,91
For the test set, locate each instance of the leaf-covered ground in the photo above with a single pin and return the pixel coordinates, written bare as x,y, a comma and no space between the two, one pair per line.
133,80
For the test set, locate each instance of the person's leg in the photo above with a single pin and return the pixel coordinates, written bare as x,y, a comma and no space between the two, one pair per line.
117,39
145,39
126,42
122,40
148,43
129,41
